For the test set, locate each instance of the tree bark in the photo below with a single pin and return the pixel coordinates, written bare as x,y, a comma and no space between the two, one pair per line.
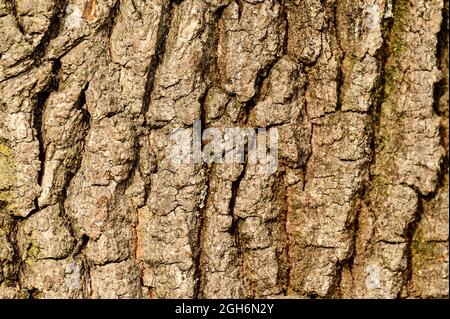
91,205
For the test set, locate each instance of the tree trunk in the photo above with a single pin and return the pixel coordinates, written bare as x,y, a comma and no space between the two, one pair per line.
92,205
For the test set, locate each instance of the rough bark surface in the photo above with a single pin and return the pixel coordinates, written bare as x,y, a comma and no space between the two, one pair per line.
91,206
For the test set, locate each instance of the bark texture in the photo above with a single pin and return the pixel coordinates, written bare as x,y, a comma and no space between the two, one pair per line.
91,206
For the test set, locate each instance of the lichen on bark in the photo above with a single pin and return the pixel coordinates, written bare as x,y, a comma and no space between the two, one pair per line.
92,205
